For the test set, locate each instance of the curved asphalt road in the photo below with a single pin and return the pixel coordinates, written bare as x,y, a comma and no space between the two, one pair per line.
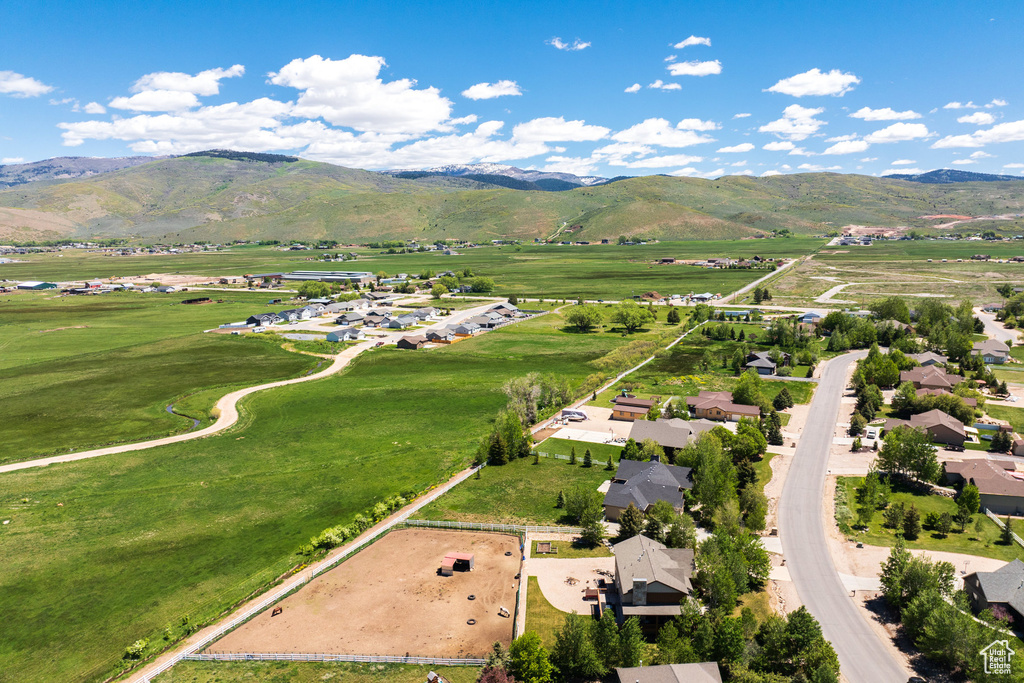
862,656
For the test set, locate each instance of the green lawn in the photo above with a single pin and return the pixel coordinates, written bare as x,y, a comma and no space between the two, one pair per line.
599,452
541,615
517,493
310,672
969,542
132,543
569,550
1015,416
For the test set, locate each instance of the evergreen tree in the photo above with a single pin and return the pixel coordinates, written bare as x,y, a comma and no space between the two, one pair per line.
574,653
497,450
572,456
606,639
587,459
609,467
560,503
631,643
1006,535
528,660
631,522
783,399
673,316
912,523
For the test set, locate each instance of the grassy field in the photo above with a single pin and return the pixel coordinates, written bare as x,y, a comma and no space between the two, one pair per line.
1015,416
518,493
569,550
83,372
985,544
541,615
599,452
310,672
134,542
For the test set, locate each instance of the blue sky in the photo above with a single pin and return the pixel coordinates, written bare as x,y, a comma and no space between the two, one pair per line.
685,88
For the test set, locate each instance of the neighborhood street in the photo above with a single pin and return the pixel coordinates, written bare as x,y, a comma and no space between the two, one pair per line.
862,656
993,329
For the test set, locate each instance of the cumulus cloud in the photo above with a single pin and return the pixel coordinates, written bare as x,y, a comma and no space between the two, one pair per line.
1011,131
963,162
797,123
697,124
898,162
978,118
1014,165
905,171
709,68
12,160
816,82
981,155
574,46
740,148
841,138
800,152
692,40
847,147
575,165
557,129
769,173
742,115
17,85
94,108
886,114
661,133
349,93
996,103
868,159
203,83
779,146
665,161
660,85
633,88
157,100
898,132
817,168
488,91
959,105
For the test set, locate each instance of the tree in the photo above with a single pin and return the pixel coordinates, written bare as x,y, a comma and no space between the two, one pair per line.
651,449
631,640
894,570
1001,442
653,528
497,449
631,522
482,285
1006,534
592,535
969,498
754,506
528,660
729,644
514,300
911,523
857,425
774,428
631,451
609,467
560,503
748,389
673,316
909,451
584,318
714,480
962,517
438,290
606,639
572,455
574,652
945,523
631,316
587,459
783,400
583,505
312,289
681,533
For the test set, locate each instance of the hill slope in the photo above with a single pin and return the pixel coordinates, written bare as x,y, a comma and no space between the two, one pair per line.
62,168
954,175
218,199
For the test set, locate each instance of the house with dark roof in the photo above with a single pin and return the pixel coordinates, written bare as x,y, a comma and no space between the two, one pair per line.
930,377
350,318
466,329
718,405
992,351
645,483
763,363
442,336
262,319
928,358
651,580
1002,588
345,334
671,434
941,427
702,672
1000,485
417,342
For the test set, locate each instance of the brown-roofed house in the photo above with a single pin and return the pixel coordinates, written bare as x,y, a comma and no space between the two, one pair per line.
633,401
972,402
651,580
702,672
718,405
417,342
992,351
930,377
941,427
1001,492
629,413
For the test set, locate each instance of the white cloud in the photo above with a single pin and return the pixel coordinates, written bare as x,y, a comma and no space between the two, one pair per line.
841,138
996,103
979,118
633,88
740,148
797,123
847,147
671,58
660,132
963,162
684,172
12,160
741,115
886,114
770,173
697,124
1013,165
94,108
904,171
574,46
462,120
662,161
817,168
710,68
869,159
349,93
746,171
778,146
959,105
981,155
816,82
692,40
1011,131
157,100
488,91
203,83
17,85
898,132
66,100
557,129
739,163
899,162
660,85
574,165
800,152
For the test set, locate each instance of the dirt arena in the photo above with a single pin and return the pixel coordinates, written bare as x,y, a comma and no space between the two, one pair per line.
389,599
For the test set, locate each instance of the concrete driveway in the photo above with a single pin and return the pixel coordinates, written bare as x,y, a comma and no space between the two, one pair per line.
552,573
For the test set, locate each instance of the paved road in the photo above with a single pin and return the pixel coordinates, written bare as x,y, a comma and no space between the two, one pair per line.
993,329
862,656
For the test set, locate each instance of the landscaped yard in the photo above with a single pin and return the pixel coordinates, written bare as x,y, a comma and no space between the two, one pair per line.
986,543
599,452
541,615
568,550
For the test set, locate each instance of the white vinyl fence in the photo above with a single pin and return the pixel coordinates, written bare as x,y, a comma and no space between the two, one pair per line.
324,657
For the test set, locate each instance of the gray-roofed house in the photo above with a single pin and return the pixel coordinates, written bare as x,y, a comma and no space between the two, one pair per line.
702,672
262,319
401,322
1001,492
762,362
443,336
374,320
671,434
651,580
350,318
425,313
992,351
466,329
928,358
1003,587
290,315
643,484
345,334
941,427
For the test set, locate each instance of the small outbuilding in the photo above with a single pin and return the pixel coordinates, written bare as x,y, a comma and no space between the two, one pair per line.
462,561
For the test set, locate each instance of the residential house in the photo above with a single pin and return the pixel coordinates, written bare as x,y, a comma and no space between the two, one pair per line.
1003,588
315,310
1018,447
293,314
941,427
507,310
671,434
629,413
651,580
702,298
895,324
375,320
377,297
645,403
466,329
643,484
928,358
973,402
718,405
703,672
992,351
763,363
417,342
262,319
346,334
930,377
167,289
401,322
1000,485
350,318
442,336
809,318
425,313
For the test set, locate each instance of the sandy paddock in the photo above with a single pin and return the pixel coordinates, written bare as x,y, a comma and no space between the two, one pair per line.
390,599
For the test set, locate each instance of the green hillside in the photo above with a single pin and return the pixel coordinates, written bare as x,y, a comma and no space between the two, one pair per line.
217,199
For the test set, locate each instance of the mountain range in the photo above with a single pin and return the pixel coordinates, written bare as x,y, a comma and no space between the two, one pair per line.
222,195
945,176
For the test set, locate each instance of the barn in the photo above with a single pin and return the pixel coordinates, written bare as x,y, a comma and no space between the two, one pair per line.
461,561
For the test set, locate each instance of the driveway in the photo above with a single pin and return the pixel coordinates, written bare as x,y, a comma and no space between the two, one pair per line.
552,574
863,657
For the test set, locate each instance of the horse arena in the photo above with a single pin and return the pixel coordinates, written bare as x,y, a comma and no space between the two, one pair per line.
390,599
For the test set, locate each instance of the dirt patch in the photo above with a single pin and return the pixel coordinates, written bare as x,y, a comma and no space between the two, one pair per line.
71,327
390,600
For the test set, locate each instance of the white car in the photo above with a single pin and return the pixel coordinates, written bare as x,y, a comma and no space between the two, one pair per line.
872,433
